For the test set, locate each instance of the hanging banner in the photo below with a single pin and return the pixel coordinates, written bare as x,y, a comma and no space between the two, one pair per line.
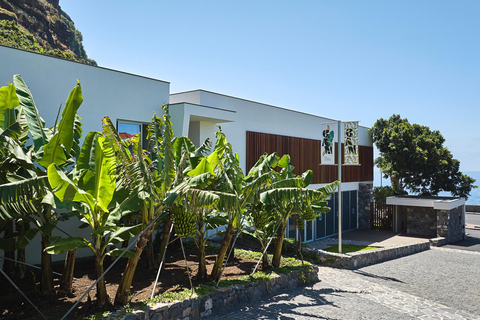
328,145
350,131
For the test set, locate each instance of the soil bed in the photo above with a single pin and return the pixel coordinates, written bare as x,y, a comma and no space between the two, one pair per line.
172,277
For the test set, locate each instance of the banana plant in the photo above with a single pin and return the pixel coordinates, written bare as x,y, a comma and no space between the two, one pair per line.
153,176
25,194
91,190
263,218
290,196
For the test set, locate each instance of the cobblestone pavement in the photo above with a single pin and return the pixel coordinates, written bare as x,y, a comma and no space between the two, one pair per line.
434,284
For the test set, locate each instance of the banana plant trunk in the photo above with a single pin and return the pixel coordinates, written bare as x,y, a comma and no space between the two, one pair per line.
217,268
20,270
9,265
277,253
46,282
149,254
265,262
67,275
102,296
167,224
123,292
202,265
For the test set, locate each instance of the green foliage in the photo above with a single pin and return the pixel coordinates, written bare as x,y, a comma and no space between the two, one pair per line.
416,160
380,194
11,35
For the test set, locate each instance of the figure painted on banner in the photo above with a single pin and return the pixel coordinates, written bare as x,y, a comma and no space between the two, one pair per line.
327,141
349,142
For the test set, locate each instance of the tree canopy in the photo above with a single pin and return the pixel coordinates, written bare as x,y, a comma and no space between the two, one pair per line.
416,160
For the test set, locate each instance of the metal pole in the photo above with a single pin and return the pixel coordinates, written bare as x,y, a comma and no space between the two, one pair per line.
161,263
110,267
339,153
18,289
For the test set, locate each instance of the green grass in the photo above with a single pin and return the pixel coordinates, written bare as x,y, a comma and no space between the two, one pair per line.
347,248
288,265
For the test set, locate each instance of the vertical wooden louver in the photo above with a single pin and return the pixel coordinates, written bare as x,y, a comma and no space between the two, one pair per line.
305,154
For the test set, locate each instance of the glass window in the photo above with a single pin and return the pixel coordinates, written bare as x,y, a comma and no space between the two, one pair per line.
128,129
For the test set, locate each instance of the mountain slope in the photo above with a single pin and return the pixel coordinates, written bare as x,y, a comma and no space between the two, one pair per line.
41,26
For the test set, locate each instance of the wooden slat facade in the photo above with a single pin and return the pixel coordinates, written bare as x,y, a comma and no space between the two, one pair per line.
305,154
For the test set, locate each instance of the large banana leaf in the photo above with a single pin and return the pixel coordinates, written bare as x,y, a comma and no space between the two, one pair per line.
105,173
65,189
67,244
109,130
292,195
264,164
124,233
22,197
86,159
61,143
8,100
203,167
167,173
10,148
36,124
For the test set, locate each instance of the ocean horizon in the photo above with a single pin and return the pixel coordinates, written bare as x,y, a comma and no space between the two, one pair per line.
474,197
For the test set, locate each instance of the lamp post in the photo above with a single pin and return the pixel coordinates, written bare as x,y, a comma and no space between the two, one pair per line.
339,152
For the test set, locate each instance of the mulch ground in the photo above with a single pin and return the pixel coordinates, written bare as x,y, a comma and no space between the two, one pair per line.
172,277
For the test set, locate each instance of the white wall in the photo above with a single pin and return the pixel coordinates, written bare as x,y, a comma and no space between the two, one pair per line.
105,92
244,115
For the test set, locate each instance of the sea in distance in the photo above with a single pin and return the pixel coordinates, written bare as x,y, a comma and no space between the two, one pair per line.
474,197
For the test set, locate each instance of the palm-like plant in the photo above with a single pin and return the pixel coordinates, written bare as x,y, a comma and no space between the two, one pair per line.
91,190
24,191
152,177
290,196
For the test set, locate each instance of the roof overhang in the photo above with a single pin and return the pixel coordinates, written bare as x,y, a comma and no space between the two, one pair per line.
437,203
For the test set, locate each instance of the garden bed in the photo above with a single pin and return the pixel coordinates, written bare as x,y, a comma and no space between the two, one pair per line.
173,278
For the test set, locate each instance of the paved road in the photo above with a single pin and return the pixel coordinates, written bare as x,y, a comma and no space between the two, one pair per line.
472,243
428,285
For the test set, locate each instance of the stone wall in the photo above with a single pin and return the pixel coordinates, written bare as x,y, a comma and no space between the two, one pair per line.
421,221
365,258
450,224
364,202
222,299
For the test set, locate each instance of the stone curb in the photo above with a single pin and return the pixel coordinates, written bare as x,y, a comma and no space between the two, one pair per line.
222,299
365,258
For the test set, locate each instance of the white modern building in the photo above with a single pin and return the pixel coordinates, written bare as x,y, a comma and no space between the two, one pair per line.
251,127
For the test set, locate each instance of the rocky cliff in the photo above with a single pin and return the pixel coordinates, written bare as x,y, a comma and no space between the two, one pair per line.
41,26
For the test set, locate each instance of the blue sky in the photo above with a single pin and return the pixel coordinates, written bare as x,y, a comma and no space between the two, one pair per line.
347,60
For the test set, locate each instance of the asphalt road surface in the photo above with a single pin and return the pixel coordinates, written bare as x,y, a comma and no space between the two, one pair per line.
472,243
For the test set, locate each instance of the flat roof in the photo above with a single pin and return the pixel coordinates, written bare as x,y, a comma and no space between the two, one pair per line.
437,203
84,64
265,104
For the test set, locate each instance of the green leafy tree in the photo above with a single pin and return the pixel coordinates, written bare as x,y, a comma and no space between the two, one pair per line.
415,159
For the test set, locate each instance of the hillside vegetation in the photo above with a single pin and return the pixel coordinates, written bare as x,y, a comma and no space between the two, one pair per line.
41,26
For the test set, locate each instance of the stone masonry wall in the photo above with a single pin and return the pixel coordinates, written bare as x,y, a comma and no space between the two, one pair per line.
222,299
450,224
364,202
421,221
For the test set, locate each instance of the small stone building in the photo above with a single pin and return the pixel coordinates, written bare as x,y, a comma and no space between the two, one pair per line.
428,216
